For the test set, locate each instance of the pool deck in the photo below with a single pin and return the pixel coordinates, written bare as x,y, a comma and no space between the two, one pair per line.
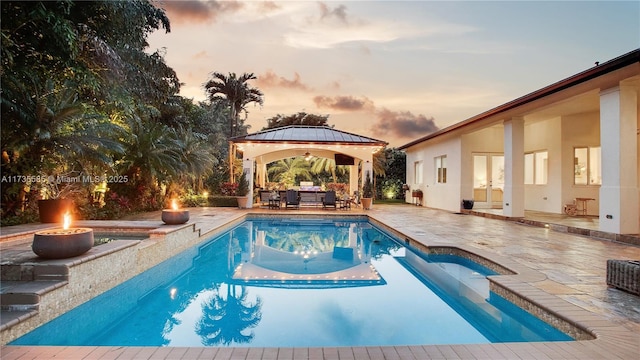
563,271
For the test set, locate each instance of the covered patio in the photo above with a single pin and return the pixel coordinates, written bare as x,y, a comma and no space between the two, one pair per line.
264,147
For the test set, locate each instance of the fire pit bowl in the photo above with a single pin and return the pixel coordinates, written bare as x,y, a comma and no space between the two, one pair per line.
62,243
175,217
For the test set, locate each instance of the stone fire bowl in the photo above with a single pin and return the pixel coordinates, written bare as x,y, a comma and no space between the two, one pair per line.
61,243
175,217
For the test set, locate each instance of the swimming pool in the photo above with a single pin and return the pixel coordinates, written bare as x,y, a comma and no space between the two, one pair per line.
299,283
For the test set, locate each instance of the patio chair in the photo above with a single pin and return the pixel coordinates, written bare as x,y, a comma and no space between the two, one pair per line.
265,196
345,202
329,199
293,199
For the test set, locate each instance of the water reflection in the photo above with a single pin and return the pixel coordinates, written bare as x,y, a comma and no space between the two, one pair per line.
271,254
225,318
304,256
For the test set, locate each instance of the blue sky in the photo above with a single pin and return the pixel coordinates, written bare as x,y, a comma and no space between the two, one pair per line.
392,70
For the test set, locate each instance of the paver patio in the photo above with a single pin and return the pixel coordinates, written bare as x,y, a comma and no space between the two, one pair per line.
573,269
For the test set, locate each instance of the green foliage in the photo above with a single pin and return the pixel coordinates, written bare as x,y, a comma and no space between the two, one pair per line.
243,185
191,199
301,118
223,201
290,171
229,189
394,174
367,187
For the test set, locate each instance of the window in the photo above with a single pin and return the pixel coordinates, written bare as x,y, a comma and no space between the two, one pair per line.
417,171
536,168
587,168
441,169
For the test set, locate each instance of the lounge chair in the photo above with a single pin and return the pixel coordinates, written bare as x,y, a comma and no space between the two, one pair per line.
329,199
293,199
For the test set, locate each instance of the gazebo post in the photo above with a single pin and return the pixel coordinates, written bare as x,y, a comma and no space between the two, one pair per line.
247,166
232,157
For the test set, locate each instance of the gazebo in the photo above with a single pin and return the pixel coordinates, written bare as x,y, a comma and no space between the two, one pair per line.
264,147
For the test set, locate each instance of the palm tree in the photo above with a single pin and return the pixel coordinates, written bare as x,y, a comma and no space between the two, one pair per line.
286,171
197,155
152,152
319,165
51,131
236,92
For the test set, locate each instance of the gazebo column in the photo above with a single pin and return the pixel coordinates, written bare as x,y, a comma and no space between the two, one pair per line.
619,211
247,168
353,179
261,174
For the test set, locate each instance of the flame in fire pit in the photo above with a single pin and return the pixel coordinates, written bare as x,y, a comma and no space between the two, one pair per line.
66,223
174,204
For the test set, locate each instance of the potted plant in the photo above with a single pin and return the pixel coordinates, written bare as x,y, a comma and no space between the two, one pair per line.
54,205
416,194
367,193
467,204
242,191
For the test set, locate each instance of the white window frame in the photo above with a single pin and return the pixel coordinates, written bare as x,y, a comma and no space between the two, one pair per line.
536,173
594,154
440,163
417,172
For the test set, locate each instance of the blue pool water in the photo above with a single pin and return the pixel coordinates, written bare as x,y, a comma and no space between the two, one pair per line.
294,283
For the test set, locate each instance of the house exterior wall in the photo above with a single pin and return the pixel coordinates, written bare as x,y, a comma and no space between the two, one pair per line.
545,136
599,107
442,196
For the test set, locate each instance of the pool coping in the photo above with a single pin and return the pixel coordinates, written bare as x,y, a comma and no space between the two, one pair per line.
608,340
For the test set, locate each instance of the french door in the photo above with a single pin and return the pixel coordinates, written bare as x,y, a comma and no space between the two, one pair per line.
488,180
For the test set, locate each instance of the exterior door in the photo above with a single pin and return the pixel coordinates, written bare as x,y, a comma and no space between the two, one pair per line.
488,180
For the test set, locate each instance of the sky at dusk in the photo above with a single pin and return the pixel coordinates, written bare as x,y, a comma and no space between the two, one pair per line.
391,70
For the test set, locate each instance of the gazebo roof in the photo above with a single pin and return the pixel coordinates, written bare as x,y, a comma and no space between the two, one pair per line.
302,134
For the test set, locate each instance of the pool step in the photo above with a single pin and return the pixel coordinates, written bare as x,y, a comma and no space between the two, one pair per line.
20,300
33,272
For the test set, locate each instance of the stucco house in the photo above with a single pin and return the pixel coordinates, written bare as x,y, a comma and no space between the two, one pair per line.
574,139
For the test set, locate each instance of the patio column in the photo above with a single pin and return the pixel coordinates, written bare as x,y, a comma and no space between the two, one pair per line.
247,168
513,200
619,211
353,179
261,174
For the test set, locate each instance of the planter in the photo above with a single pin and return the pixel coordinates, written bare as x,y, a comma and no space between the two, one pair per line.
243,201
467,204
52,210
366,203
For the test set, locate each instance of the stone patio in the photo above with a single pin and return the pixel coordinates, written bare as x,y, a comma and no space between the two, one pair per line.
563,271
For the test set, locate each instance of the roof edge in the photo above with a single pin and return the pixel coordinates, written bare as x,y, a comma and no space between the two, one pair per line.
241,139
586,75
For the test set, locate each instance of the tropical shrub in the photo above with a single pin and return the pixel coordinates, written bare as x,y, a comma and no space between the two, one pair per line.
228,189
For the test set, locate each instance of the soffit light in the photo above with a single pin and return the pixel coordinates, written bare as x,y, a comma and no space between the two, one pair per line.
308,156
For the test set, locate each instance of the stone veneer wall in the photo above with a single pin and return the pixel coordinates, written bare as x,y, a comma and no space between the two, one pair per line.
92,275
